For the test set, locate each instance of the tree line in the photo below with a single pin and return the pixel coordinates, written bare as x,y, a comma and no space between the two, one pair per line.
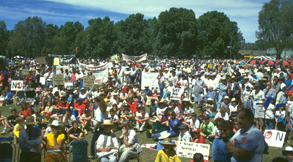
175,32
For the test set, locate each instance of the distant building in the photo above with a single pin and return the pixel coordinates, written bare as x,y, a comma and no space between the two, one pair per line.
250,53
286,54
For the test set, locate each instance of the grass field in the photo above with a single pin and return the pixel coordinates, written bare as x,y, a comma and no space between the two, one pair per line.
148,155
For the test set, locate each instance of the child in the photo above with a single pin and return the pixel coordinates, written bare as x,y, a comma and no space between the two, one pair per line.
193,122
17,128
209,107
236,126
114,118
269,109
184,135
197,138
153,108
168,152
74,132
126,115
85,120
142,119
246,98
48,109
58,116
280,117
200,116
233,106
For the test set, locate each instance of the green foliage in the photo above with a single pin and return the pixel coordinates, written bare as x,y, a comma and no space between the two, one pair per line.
4,35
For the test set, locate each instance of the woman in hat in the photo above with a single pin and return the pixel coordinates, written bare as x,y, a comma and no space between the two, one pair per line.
209,107
288,152
186,109
83,94
167,154
55,141
222,90
107,143
161,109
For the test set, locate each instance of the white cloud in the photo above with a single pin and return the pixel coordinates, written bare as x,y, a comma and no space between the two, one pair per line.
244,12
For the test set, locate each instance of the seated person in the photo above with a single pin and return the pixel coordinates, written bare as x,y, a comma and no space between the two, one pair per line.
153,108
161,138
62,106
193,122
184,135
130,147
168,152
74,132
186,109
288,152
48,109
20,97
160,110
173,123
58,116
209,107
114,119
18,127
142,119
197,138
2,119
68,118
216,132
198,157
132,105
85,120
211,94
222,114
206,127
233,106
107,143
126,115
10,122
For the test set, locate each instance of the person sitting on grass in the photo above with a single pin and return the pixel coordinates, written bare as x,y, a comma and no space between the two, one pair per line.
68,118
48,109
160,110
193,122
114,119
25,110
173,123
17,128
167,154
85,120
107,143
209,107
174,106
142,119
2,119
127,114
200,117
163,135
153,108
58,116
186,109
206,127
74,132
216,132
198,157
197,138
184,135
62,106
222,114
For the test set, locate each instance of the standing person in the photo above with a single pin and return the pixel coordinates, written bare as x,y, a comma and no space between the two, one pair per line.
248,143
234,88
167,154
30,142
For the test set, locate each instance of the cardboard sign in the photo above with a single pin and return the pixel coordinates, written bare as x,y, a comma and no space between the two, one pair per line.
188,149
56,61
148,103
275,138
23,72
58,80
259,110
41,60
17,85
89,81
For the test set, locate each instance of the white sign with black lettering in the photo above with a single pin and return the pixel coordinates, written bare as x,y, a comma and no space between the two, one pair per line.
275,138
17,85
188,149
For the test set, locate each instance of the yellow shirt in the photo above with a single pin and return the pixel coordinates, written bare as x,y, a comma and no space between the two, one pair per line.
48,108
171,156
16,129
50,139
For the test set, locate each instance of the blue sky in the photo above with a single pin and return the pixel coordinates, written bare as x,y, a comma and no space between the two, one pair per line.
244,12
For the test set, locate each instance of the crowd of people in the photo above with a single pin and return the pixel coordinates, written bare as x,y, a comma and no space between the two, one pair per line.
215,102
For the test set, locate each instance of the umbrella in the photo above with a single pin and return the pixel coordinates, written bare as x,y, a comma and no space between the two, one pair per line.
255,62
268,62
282,62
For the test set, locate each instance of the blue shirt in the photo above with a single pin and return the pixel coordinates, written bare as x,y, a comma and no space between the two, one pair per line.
218,151
33,145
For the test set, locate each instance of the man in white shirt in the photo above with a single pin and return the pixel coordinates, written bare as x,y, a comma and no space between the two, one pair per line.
68,118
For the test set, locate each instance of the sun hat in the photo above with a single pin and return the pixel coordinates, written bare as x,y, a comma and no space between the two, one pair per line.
30,120
210,99
164,134
55,123
226,98
107,122
233,77
185,100
287,149
233,99
167,142
183,126
162,101
146,86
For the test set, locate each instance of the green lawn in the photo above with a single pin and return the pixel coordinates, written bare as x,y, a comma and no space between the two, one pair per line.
148,155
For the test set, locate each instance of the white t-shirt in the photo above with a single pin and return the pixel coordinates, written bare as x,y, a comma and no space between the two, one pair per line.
160,111
219,115
68,121
114,118
269,112
193,124
140,116
186,137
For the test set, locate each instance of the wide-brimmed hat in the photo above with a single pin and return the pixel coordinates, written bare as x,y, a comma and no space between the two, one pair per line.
167,142
233,77
233,99
86,101
107,122
210,99
55,123
226,98
185,100
146,86
30,120
162,102
287,149
164,134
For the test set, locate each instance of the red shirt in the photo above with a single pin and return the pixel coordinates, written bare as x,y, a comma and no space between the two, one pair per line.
155,94
124,88
64,106
27,112
200,140
83,108
132,107
77,106
1,79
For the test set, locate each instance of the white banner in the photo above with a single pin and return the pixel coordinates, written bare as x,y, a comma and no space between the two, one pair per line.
58,69
151,80
101,76
188,149
17,85
134,58
275,138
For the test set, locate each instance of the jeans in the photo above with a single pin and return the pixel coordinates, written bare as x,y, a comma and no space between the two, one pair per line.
220,98
111,158
49,83
161,86
270,123
126,155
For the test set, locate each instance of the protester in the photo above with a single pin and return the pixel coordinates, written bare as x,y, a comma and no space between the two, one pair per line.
168,153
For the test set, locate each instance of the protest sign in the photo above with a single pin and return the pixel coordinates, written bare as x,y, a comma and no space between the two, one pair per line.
259,110
148,103
56,61
42,80
23,72
58,69
151,80
134,58
89,81
16,85
188,149
68,85
275,138
58,80
41,60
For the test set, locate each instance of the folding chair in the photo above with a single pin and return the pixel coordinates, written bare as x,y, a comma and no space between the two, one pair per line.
7,150
79,150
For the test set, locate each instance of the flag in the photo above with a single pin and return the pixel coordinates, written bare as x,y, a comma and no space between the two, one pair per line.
76,49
